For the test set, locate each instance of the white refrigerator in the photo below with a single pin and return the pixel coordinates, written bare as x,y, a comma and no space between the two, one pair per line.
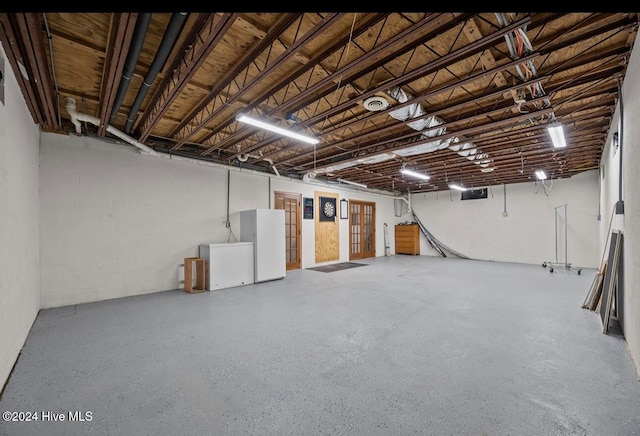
265,228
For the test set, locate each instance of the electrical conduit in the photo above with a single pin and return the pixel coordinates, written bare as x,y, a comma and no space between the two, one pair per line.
168,41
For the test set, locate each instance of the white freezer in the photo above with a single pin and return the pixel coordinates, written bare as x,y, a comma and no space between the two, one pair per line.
228,265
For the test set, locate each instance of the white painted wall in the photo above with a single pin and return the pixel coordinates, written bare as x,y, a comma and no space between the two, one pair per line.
19,220
631,197
610,185
478,229
116,223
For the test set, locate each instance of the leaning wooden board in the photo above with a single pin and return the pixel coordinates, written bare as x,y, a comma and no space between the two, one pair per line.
610,278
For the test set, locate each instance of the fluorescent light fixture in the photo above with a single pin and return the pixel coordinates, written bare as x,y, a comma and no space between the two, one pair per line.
557,135
457,187
349,182
273,128
540,175
414,174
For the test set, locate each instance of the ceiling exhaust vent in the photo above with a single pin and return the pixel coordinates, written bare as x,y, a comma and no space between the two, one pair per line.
375,103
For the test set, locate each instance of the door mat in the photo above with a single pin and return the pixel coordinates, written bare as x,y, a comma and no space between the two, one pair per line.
337,266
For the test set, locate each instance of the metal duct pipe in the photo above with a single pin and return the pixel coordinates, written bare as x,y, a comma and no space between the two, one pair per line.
132,59
397,206
168,40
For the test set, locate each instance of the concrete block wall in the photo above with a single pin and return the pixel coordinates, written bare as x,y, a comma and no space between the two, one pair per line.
116,223
19,222
527,234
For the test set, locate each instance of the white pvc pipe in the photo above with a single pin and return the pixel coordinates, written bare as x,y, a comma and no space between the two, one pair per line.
408,201
77,117
245,157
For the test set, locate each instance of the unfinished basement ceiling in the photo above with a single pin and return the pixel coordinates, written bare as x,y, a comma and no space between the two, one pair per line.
462,97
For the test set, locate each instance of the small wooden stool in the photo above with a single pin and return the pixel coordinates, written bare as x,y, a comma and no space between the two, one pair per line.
188,275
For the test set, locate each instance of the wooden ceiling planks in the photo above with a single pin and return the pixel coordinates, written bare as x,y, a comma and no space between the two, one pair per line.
312,71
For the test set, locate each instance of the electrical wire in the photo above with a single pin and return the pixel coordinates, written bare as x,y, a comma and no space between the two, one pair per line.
346,57
519,45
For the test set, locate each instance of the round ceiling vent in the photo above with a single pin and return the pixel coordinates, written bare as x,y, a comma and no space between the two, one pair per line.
375,103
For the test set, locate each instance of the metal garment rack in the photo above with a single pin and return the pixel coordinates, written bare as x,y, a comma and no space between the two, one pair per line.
560,214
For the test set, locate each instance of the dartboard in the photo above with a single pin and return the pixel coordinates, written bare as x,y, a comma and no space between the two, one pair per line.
329,209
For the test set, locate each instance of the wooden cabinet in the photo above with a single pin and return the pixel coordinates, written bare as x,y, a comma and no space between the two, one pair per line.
407,239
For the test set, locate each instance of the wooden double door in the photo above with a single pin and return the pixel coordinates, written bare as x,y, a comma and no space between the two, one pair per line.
362,229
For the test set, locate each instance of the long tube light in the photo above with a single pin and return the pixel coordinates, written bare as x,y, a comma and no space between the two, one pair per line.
457,187
414,174
557,135
273,128
349,182
540,175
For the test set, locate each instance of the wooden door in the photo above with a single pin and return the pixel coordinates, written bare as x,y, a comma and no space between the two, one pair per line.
362,229
292,205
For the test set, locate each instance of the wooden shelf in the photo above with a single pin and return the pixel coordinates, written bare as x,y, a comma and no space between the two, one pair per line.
407,239
189,263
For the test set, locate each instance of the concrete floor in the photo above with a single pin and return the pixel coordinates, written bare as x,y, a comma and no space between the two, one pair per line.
405,345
